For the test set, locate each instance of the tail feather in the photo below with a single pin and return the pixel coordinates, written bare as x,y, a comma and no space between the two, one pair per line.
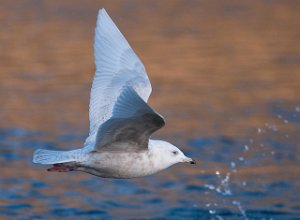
42,156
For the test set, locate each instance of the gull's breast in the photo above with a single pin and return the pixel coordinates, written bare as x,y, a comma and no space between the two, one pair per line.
120,164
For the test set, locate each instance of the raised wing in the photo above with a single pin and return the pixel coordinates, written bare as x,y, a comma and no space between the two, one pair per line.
131,124
116,66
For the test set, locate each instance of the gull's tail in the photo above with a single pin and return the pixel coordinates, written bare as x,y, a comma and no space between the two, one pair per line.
42,156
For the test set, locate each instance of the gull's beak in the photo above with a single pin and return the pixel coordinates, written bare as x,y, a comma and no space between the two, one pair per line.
189,160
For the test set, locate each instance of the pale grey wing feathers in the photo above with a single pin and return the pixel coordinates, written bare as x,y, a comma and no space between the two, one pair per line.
130,104
132,123
116,66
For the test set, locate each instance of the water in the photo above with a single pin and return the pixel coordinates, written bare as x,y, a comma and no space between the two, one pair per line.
257,187
225,76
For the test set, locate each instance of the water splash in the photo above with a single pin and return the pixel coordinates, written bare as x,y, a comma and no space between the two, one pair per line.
241,209
223,187
225,184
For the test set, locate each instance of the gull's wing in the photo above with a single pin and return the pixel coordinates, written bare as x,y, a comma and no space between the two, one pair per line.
116,66
131,124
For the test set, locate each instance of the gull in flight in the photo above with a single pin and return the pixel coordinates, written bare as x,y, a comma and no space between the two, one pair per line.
121,121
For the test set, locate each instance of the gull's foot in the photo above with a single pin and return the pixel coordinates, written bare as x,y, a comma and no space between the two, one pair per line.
61,167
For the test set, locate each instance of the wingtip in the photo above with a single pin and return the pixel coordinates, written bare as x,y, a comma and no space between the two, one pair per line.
102,17
102,12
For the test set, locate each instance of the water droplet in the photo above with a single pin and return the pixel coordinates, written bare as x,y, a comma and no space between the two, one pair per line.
286,121
217,172
232,164
241,158
212,211
297,109
271,127
211,187
236,202
246,147
279,116
258,130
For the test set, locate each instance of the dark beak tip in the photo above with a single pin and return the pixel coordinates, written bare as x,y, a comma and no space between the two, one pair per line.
193,162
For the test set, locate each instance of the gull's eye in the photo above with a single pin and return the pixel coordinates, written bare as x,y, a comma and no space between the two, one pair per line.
175,152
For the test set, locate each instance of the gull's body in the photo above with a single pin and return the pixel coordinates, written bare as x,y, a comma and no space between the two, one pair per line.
128,164
121,121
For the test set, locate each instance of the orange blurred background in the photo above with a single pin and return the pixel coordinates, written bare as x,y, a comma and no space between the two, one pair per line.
207,61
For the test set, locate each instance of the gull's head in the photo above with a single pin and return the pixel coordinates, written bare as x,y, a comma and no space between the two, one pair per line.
167,154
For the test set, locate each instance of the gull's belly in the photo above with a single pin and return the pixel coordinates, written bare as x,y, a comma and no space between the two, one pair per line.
120,165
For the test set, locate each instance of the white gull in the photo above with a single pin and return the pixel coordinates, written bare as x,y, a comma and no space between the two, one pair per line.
121,121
